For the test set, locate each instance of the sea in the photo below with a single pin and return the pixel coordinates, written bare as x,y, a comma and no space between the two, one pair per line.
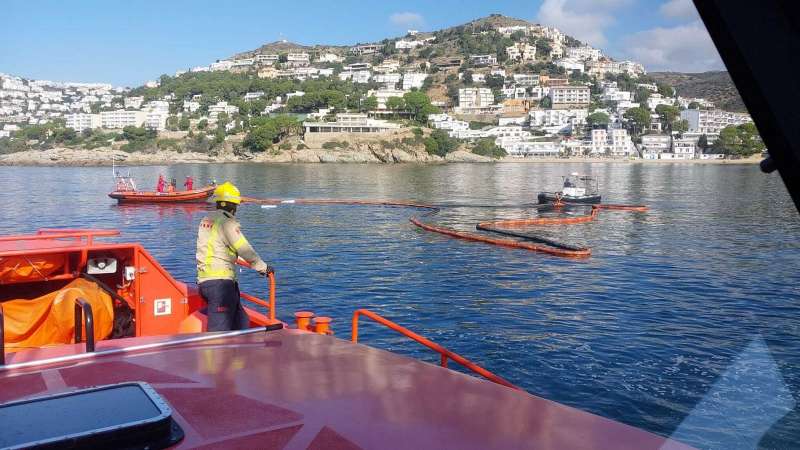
685,321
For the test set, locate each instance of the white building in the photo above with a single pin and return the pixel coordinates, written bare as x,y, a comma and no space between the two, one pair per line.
351,123
614,142
300,59
570,64
156,119
557,120
649,86
387,66
684,148
632,68
585,53
413,80
80,121
612,94
253,95
525,148
133,102
403,44
521,52
712,121
221,65
191,105
653,145
330,58
266,59
121,118
475,98
382,95
567,97
221,107
482,60
657,99
389,79
243,63
524,79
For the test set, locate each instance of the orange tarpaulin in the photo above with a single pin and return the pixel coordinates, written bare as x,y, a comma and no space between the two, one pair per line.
29,268
49,319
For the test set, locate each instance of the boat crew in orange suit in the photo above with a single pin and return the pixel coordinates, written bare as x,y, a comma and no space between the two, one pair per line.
160,184
189,183
220,243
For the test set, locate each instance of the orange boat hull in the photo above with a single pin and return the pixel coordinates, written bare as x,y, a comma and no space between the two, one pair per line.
162,197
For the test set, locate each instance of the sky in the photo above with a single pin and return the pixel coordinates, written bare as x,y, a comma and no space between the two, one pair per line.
129,42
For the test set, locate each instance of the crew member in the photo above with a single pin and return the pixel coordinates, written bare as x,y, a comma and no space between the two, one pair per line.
189,183
160,184
219,243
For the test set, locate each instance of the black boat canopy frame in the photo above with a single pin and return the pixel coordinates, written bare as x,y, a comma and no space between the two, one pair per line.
759,41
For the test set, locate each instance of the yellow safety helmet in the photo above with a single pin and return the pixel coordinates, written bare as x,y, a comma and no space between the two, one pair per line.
227,192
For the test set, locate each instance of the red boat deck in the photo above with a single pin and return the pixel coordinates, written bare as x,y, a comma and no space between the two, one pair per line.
297,390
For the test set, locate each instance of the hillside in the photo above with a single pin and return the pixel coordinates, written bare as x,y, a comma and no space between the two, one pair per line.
716,86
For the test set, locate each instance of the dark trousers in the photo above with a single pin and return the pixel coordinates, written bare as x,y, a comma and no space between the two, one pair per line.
225,311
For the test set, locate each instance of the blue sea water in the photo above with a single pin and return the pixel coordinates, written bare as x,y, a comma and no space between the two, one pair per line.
684,321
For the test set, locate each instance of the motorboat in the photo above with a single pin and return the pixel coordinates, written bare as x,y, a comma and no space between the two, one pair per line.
576,188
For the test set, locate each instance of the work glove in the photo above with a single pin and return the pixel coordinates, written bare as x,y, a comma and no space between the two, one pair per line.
266,270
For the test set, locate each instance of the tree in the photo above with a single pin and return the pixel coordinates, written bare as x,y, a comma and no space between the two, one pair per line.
702,143
487,147
395,104
184,123
467,78
172,123
665,90
494,81
597,119
641,95
680,126
370,103
638,118
667,114
728,141
694,105
261,138
202,125
419,105
546,102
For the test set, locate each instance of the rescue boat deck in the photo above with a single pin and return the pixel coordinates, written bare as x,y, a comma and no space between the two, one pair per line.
296,390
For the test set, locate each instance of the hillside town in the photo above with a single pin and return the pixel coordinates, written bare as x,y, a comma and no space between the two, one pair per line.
496,86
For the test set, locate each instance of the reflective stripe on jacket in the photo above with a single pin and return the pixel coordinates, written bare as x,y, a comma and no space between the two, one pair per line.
219,243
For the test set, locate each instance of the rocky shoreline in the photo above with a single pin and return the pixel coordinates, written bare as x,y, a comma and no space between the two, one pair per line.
105,157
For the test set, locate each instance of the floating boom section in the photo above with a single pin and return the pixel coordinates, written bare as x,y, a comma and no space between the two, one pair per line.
542,245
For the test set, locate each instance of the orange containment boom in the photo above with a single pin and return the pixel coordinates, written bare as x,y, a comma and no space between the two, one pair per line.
546,246
443,352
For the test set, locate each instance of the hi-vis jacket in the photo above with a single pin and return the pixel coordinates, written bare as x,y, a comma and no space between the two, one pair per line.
219,243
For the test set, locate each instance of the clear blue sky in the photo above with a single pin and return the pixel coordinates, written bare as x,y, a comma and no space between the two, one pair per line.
127,43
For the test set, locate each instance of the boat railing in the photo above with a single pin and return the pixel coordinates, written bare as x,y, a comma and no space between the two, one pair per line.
269,305
2,337
61,233
444,353
84,318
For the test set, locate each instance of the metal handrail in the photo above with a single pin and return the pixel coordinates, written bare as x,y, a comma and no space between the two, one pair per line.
54,233
443,352
252,299
2,338
83,310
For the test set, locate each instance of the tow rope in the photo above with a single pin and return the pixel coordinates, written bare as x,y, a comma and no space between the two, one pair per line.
529,241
